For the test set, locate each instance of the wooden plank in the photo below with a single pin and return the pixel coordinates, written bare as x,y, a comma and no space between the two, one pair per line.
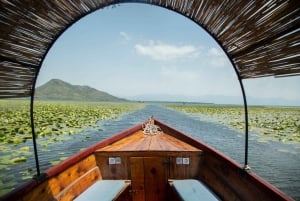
103,166
142,142
156,172
79,185
61,181
185,171
231,181
137,178
58,183
125,143
143,154
113,171
42,192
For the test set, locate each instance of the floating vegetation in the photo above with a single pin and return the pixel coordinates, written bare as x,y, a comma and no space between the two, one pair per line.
54,118
18,160
26,174
58,161
54,121
6,183
54,162
279,123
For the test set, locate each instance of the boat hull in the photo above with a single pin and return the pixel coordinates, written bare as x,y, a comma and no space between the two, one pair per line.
148,162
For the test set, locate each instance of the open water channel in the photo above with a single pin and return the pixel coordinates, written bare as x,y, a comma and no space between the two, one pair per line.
276,162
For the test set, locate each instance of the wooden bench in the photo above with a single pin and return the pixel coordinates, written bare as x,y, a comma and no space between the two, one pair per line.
104,190
192,190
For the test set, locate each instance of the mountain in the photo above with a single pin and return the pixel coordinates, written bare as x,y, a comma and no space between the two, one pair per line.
57,89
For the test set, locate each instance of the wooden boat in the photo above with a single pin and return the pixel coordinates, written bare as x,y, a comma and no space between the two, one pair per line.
150,161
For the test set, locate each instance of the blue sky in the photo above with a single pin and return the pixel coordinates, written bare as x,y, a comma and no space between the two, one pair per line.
139,51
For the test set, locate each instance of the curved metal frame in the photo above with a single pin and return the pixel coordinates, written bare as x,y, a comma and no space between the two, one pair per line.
246,167
33,131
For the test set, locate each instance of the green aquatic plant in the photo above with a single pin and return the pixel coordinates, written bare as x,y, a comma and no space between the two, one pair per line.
54,118
279,123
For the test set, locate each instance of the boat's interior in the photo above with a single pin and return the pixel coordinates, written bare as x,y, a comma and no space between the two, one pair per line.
145,162
137,166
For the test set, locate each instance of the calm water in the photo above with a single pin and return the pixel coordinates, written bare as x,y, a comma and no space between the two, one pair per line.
276,162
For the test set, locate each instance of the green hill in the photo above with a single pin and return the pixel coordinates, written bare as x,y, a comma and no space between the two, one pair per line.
57,89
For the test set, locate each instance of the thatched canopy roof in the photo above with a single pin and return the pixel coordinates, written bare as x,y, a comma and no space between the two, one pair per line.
260,37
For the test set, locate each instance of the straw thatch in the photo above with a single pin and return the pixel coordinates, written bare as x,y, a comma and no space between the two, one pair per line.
262,38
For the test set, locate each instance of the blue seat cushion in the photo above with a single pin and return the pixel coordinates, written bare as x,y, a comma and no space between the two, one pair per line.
193,190
104,190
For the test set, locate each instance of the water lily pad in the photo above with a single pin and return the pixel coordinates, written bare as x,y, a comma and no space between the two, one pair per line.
26,148
4,167
54,162
19,160
63,158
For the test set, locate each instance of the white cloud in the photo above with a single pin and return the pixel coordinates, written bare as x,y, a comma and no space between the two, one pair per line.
162,51
125,36
217,58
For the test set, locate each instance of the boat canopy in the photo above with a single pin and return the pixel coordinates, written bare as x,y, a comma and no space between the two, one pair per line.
261,38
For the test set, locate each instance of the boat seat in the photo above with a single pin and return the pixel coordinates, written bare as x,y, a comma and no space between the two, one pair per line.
192,190
105,190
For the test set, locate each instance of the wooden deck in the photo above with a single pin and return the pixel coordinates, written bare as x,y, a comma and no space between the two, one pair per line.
141,142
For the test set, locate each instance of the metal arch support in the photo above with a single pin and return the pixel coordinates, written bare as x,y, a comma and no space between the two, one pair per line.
38,172
246,167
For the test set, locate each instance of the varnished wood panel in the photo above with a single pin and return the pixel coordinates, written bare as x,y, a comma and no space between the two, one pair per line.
61,181
184,171
156,172
113,171
145,153
233,183
137,178
79,185
42,192
121,171
148,178
49,189
142,142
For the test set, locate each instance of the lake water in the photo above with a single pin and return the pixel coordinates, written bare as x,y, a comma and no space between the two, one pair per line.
276,162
